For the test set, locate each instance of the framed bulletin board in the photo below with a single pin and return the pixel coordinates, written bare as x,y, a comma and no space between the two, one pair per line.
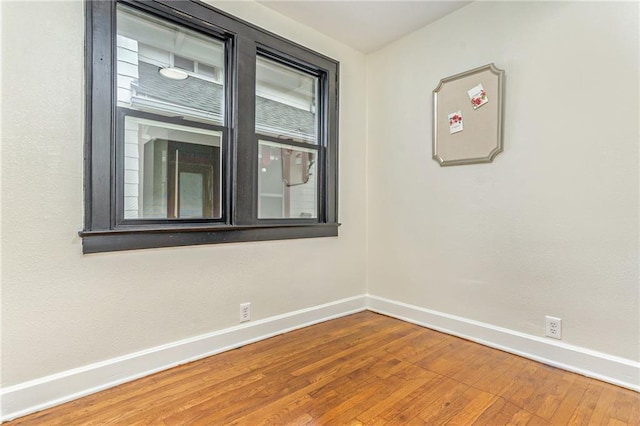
467,117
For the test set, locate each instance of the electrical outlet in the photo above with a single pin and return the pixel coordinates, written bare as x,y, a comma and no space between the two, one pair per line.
553,327
245,312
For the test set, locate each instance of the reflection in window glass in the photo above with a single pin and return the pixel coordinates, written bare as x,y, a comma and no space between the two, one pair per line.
207,70
286,102
156,64
171,171
183,63
287,183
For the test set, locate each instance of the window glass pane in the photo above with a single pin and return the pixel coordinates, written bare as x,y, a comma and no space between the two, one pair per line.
183,63
287,184
206,70
286,102
171,171
155,63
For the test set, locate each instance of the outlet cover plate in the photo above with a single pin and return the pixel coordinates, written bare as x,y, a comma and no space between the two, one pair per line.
245,312
553,327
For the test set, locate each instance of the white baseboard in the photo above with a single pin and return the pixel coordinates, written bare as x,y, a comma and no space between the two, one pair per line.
36,395
598,365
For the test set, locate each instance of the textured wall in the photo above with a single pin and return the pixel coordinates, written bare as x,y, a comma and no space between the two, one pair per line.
61,309
551,227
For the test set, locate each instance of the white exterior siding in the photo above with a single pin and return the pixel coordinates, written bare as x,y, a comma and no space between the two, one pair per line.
127,50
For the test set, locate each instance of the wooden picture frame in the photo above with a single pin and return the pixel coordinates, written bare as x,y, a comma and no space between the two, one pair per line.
467,117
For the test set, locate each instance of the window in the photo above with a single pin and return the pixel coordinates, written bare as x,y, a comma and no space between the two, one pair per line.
203,129
287,129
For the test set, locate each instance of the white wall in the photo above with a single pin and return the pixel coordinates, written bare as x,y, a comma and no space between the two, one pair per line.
551,226
62,310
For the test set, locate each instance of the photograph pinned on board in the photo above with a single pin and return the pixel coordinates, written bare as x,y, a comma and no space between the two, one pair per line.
478,96
455,122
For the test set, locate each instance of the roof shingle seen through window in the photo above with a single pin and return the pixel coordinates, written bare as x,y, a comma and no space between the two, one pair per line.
208,96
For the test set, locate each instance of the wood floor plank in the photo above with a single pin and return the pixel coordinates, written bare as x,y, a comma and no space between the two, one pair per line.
495,373
363,369
349,405
552,391
504,412
443,407
583,412
605,410
400,409
634,416
622,407
493,412
255,408
415,344
571,400
522,390
426,395
411,378
471,406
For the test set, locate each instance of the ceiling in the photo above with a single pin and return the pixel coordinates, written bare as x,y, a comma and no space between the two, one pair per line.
364,25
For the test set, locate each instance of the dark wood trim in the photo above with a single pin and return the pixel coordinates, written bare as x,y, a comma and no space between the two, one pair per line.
99,146
88,104
230,118
245,180
118,240
332,149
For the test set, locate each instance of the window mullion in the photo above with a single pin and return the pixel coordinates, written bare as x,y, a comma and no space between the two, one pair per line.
244,175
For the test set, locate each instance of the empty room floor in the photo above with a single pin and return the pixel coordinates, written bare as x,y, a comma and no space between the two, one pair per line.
363,369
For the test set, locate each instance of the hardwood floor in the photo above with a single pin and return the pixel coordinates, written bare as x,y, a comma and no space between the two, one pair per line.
364,369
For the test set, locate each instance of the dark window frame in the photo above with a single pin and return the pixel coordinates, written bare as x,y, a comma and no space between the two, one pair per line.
104,230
